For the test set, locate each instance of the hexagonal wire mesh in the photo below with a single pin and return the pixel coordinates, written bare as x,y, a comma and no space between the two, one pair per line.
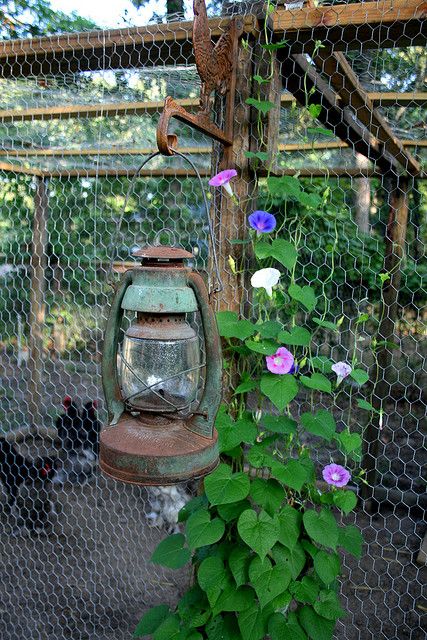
77,114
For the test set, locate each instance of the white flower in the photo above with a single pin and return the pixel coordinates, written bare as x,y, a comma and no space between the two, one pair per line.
266,278
342,369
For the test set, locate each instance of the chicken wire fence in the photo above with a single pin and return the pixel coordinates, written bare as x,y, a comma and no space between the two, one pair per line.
78,113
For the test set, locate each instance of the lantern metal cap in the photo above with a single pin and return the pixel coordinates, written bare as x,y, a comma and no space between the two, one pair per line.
162,253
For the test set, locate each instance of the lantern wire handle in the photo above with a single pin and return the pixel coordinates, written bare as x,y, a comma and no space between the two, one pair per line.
219,287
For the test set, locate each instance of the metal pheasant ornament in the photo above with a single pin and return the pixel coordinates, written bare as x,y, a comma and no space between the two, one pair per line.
214,63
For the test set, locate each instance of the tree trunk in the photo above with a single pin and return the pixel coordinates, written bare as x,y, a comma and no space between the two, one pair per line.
37,304
397,190
362,197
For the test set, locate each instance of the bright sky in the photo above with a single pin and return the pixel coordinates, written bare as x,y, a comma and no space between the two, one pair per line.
110,13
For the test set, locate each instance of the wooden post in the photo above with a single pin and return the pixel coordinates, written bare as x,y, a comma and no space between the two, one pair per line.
230,218
397,191
37,304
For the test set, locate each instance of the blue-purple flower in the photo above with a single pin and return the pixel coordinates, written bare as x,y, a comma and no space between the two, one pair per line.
262,221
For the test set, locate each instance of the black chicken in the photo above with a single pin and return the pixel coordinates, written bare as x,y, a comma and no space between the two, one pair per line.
70,427
22,477
91,426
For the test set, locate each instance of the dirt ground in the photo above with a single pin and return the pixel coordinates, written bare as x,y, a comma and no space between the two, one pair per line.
91,578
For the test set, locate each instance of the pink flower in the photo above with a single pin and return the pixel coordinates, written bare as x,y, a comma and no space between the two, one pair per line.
336,475
281,362
342,369
222,179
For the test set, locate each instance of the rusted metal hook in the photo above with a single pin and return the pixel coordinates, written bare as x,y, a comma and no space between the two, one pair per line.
167,142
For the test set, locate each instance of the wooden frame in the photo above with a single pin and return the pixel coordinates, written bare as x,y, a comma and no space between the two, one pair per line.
347,85
363,25
112,109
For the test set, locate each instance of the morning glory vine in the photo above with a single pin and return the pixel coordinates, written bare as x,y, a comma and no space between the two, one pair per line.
265,537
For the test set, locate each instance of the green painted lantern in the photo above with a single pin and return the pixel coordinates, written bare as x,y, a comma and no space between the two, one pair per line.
161,428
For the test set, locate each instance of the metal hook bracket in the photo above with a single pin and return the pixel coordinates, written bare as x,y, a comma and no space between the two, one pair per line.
216,67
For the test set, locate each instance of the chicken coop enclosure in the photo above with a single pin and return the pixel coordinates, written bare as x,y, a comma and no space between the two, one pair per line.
347,119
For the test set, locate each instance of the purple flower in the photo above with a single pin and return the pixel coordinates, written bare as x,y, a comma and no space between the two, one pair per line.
222,179
342,369
336,475
262,221
281,362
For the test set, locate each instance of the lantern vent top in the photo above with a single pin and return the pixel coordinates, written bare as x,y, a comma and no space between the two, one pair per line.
162,253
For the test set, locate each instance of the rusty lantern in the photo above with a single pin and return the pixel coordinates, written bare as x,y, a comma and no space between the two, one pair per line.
161,428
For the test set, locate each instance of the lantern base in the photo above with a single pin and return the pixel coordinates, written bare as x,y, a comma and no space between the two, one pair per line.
155,450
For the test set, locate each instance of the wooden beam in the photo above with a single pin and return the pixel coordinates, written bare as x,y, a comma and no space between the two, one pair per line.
16,168
362,25
345,82
109,151
301,79
145,173
141,151
147,46
394,98
110,109
319,172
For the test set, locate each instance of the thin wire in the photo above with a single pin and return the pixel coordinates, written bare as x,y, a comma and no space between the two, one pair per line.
220,286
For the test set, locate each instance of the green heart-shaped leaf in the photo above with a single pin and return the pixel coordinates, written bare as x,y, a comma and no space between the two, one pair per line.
201,530
351,540
280,389
328,606
151,620
229,325
316,627
321,527
268,581
212,573
238,563
266,347
269,329
293,557
294,473
305,295
327,566
279,628
279,424
252,624
290,521
171,552
320,424
233,599
223,486
305,590
297,336
259,532
268,494
281,250
360,376
318,382
345,500
349,442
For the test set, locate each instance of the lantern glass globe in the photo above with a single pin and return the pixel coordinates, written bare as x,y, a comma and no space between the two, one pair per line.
160,364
